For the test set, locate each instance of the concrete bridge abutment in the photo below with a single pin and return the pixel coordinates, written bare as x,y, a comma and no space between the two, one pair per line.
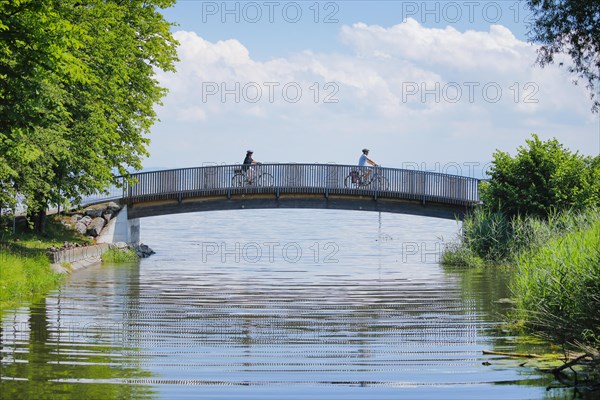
122,229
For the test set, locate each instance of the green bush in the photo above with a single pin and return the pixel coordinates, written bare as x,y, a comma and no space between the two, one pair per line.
541,179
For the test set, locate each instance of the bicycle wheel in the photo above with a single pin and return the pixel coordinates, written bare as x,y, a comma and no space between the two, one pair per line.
381,183
238,180
348,182
266,180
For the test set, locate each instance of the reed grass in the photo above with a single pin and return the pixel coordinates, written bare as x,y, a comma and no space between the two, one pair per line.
120,256
498,239
557,286
557,268
458,255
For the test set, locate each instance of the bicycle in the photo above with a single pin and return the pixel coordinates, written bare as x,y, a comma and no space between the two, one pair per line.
356,180
261,179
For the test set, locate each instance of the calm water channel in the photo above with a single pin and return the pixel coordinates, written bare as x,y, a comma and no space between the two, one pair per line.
273,304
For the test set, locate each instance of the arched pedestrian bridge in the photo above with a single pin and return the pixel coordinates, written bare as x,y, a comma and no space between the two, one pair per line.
320,186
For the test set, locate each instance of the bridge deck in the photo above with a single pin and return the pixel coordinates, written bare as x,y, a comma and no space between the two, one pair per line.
333,202
330,186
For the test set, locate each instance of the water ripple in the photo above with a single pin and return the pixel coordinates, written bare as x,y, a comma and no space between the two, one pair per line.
374,319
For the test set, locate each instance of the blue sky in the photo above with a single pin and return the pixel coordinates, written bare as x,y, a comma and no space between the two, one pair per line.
424,84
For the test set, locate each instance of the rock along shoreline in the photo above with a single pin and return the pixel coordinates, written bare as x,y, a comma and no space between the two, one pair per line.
93,221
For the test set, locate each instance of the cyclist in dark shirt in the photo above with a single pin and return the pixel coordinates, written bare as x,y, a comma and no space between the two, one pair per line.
248,161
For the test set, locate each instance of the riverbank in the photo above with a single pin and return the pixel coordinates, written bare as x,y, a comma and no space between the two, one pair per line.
32,264
556,283
26,272
24,277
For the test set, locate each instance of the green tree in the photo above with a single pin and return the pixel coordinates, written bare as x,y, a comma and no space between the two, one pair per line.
542,178
77,92
124,43
571,27
35,69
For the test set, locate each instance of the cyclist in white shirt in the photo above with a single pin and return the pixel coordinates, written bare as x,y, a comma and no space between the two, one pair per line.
363,161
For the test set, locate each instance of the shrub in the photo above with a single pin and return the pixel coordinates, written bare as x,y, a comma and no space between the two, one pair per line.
542,178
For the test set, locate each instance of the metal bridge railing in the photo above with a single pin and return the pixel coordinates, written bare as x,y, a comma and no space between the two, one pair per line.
326,179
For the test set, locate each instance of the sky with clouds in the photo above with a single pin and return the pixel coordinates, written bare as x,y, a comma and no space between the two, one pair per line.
422,84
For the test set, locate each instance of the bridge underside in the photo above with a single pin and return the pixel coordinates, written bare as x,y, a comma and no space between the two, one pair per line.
307,201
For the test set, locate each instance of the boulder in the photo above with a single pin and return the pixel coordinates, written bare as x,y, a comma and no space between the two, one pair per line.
107,215
120,245
85,220
81,227
75,218
144,251
95,227
114,207
94,212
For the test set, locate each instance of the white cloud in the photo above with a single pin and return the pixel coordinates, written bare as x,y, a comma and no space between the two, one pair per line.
406,91
497,49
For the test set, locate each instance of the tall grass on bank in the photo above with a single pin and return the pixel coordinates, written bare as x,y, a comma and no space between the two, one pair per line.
24,276
557,276
120,256
487,236
494,238
557,286
24,267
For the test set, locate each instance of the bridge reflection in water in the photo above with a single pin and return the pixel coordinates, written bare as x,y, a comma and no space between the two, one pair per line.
298,186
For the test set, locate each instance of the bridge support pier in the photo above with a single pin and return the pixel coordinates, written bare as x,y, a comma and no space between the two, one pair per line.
126,230
134,232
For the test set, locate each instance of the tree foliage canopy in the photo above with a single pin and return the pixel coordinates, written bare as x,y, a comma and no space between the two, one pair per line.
571,27
542,178
77,92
